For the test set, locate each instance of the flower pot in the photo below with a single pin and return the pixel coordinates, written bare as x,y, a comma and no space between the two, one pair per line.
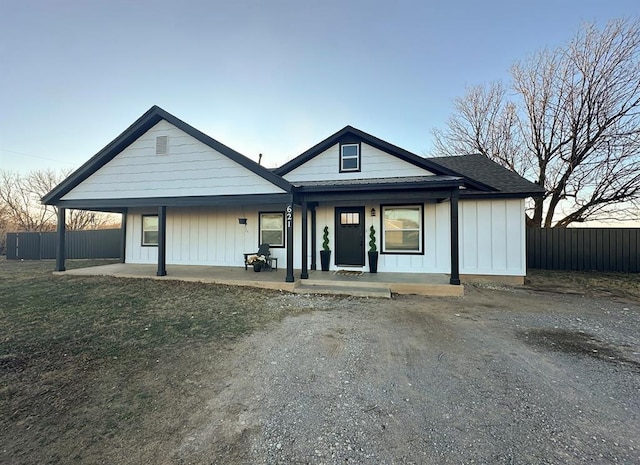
325,259
257,267
373,262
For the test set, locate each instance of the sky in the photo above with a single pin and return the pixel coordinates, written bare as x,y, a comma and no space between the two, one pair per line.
272,77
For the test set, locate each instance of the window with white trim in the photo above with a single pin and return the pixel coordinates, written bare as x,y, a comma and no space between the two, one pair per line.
272,228
149,230
402,228
350,157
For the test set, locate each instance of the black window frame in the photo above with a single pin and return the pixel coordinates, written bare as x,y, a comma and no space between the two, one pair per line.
284,240
358,158
142,242
383,249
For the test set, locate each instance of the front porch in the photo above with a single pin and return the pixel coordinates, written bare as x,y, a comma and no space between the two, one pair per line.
319,282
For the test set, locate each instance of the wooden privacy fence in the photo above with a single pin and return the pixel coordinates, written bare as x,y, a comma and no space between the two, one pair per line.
99,243
584,249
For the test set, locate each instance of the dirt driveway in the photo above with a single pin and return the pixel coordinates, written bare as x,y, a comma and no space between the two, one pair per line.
98,370
500,376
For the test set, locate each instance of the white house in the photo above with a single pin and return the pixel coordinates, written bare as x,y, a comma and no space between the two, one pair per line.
188,199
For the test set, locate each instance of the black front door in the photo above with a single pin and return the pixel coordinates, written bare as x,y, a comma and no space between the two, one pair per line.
350,236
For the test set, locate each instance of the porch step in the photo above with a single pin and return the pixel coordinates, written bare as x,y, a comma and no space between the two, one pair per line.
381,292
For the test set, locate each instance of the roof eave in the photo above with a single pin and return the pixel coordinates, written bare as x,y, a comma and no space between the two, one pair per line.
500,195
100,159
311,152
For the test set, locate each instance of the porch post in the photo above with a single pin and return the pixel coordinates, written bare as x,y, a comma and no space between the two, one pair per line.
290,245
313,237
455,246
123,236
305,271
60,236
162,241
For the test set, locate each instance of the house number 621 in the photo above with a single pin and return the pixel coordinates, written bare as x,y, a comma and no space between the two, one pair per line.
289,215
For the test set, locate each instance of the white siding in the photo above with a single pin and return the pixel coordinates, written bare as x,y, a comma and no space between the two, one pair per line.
191,168
374,164
436,257
201,236
492,237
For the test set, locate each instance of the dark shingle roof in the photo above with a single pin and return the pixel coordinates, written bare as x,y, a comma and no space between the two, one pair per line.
482,177
480,168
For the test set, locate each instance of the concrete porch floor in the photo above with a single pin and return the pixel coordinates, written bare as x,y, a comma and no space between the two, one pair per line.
319,282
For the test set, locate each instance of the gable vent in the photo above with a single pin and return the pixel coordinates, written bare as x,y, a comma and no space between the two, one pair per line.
162,145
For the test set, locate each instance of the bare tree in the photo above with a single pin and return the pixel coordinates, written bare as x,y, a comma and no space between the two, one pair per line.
20,200
4,228
572,125
22,204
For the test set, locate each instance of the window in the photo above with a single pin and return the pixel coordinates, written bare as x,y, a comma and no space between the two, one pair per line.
149,230
402,229
272,228
350,157
350,218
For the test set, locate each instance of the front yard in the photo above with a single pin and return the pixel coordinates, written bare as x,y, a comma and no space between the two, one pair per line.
105,370
87,361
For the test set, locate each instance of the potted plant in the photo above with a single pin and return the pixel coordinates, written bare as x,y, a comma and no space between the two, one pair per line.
373,251
325,253
257,261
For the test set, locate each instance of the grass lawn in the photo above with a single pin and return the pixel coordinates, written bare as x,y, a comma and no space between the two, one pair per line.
90,361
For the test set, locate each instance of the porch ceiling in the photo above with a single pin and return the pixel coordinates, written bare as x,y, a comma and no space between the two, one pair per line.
119,205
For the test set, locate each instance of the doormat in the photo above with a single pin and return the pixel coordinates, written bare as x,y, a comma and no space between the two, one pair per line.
348,273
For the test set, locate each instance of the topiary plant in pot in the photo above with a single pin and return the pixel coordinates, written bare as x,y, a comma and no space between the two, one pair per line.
325,253
373,251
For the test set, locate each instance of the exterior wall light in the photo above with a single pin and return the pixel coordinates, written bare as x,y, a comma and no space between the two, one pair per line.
373,212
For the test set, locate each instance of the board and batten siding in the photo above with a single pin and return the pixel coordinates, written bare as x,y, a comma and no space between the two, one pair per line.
492,237
200,236
212,236
190,168
374,163
436,257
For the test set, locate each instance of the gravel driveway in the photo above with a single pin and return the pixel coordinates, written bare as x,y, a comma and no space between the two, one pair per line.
500,376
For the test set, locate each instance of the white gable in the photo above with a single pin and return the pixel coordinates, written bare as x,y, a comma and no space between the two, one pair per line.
374,163
188,168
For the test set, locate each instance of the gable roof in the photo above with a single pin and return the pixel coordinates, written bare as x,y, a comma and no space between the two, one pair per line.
350,131
138,128
486,171
369,139
481,175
